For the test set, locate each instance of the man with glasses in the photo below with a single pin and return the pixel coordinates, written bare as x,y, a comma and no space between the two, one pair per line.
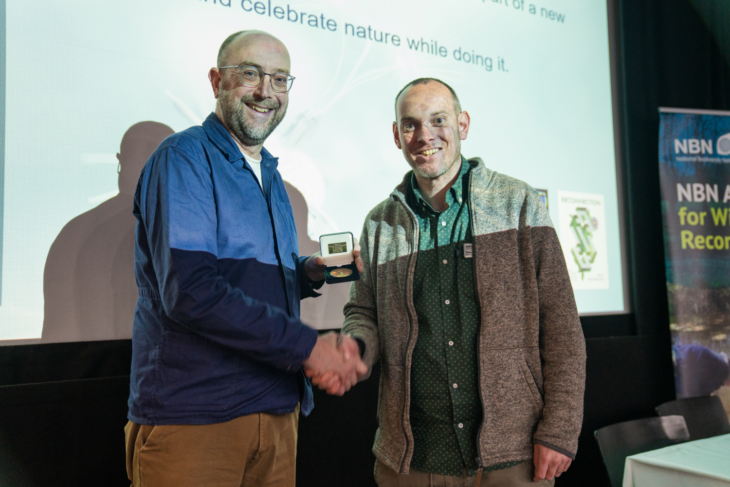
466,300
219,352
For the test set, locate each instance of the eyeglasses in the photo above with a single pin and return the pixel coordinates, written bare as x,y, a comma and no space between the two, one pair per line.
253,76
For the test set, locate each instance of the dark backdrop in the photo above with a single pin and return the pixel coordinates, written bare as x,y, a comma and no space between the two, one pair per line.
63,406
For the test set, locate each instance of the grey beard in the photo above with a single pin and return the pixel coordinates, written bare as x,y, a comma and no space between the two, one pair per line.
233,113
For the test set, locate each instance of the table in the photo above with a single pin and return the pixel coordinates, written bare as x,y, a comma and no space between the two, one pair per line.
700,463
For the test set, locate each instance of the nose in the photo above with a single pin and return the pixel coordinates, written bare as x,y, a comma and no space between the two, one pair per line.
264,90
424,134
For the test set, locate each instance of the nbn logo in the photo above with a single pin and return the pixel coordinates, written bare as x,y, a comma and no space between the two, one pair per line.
723,145
692,146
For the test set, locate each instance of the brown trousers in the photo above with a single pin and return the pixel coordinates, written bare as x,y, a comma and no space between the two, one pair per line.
257,450
517,476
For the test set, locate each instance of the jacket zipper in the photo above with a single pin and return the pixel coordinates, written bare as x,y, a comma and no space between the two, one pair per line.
410,317
480,465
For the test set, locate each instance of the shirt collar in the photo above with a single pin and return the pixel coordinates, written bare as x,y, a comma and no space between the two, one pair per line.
454,196
458,189
218,134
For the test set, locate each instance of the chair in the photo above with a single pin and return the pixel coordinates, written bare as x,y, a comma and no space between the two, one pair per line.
705,415
618,441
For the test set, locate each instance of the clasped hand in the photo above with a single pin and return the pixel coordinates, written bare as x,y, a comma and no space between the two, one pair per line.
334,364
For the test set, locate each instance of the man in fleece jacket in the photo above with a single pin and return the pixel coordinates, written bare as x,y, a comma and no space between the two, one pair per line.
219,351
466,300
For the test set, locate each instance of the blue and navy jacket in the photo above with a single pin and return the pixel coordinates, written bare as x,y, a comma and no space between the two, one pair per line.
216,330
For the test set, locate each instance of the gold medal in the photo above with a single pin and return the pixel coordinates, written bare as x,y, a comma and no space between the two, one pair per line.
338,273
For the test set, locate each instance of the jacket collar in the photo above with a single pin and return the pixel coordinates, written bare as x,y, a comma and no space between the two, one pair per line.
220,137
453,195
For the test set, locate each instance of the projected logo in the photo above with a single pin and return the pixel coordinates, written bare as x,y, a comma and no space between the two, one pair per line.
723,145
582,232
583,227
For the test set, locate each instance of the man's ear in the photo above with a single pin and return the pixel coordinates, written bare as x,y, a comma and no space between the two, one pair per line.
464,121
396,135
214,75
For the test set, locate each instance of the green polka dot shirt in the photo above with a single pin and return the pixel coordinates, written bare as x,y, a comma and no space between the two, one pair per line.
446,411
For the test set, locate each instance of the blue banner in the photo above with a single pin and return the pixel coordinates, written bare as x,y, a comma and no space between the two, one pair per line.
694,167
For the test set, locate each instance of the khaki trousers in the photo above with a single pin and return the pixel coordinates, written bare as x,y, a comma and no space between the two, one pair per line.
257,450
517,476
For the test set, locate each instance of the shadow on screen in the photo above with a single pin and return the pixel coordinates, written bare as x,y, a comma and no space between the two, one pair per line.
88,284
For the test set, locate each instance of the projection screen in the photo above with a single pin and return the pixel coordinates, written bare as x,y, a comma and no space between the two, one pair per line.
90,88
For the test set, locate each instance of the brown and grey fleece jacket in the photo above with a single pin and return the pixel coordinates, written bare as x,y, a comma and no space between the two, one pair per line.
531,345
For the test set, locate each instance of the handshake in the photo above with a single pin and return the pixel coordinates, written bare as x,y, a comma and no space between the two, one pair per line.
334,364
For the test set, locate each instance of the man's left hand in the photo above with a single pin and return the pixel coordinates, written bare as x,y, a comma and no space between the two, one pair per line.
314,265
549,463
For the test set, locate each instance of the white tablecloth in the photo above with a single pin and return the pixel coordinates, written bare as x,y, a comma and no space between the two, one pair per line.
701,463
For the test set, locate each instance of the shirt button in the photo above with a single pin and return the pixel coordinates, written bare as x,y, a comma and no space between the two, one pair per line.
443,224
423,203
446,261
451,344
461,425
459,200
448,302
456,386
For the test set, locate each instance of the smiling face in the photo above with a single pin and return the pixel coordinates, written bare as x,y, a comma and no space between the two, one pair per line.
428,130
251,113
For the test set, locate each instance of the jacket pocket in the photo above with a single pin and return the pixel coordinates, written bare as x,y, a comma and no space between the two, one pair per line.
391,394
390,439
532,386
194,374
511,404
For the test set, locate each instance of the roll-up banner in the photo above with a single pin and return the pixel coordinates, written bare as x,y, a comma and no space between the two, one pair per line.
694,169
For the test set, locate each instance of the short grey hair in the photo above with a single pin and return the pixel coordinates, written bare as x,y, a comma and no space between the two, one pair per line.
425,81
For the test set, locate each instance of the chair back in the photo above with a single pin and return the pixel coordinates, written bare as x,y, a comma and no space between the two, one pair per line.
618,441
705,416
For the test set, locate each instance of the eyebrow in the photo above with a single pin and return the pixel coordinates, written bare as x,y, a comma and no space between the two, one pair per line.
440,112
256,65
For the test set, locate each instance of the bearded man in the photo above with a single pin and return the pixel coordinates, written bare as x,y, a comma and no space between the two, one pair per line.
219,351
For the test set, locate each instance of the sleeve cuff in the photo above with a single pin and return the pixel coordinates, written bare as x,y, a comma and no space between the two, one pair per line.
304,347
315,285
307,288
362,347
557,449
